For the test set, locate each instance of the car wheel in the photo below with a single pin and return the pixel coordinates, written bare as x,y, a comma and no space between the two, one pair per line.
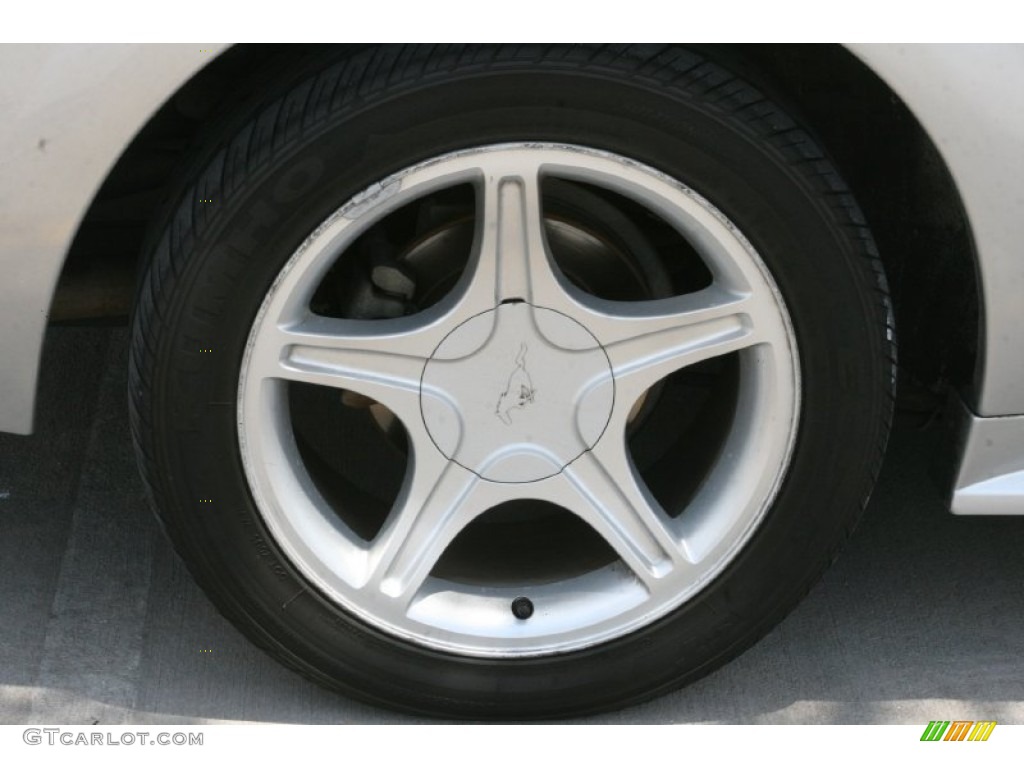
510,381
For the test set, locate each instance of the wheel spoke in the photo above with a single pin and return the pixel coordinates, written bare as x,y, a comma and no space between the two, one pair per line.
439,500
335,353
602,490
511,259
660,337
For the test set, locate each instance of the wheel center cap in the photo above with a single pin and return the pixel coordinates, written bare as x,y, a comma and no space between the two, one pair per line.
517,393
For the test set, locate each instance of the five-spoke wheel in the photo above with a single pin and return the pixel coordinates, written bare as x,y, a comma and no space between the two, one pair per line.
517,385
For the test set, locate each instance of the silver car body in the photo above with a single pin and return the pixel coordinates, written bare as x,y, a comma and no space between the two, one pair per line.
70,111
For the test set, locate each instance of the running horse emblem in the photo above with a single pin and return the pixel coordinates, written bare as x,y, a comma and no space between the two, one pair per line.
519,391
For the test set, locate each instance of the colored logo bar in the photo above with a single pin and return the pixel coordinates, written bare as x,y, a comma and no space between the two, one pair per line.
958,730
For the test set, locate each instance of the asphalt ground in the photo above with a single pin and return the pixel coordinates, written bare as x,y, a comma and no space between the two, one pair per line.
920,619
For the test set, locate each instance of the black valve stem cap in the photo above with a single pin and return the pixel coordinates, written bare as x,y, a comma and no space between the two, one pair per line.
522,608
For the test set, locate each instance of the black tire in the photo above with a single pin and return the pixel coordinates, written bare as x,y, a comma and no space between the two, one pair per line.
318,139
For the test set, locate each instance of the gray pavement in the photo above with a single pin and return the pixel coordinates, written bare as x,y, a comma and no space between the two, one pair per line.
921,619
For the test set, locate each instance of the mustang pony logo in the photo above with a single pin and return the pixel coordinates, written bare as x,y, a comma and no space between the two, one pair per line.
518,392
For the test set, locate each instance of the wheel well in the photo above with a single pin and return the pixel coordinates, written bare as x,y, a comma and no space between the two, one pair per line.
906,192
894,169
100,273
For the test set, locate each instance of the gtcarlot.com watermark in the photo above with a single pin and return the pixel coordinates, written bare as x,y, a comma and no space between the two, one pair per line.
72,738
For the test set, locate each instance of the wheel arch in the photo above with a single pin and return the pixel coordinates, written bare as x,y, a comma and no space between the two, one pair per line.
888,159
909,197
73,242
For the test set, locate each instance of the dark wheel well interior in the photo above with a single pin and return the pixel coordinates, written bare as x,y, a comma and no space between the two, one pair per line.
900,180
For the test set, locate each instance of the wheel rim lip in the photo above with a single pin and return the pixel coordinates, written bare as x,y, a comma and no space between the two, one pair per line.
331,577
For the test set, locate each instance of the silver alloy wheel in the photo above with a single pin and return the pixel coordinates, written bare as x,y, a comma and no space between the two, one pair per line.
517,385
